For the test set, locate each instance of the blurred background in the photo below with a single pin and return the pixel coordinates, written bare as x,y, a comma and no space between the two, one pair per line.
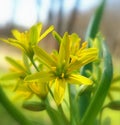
65,15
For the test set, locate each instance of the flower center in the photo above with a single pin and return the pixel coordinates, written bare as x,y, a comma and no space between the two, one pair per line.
60,73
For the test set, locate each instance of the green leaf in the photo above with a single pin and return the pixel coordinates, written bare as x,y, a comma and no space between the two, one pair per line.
13,110
34,106
95,21
102,89
92,30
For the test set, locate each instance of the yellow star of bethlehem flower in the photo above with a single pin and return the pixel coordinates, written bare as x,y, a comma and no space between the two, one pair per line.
25,40
18,71
62,66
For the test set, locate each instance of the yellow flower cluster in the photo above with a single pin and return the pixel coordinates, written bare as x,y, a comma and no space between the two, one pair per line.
60,67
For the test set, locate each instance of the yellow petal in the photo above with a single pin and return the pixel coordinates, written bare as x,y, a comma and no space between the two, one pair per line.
59,90
44,57
39,88
16,34
17,44
75,43
39,28
64,52
34,34
79,79
39,76
22,95
50,29
85,57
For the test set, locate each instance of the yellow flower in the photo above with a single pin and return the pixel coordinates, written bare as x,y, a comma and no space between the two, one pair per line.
27,90
25,40
62,66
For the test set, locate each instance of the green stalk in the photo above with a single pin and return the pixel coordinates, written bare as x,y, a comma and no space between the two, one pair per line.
12,110
54,115
74,117
63,117
102,89
32,61
72,121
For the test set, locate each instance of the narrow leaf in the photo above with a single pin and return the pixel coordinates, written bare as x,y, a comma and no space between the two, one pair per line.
13,110
92,30
95,21
102,89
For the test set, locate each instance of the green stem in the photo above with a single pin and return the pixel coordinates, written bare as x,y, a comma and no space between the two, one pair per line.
66,122
57,116
73,105
53,114
100,117
32,61
12,110
70,101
